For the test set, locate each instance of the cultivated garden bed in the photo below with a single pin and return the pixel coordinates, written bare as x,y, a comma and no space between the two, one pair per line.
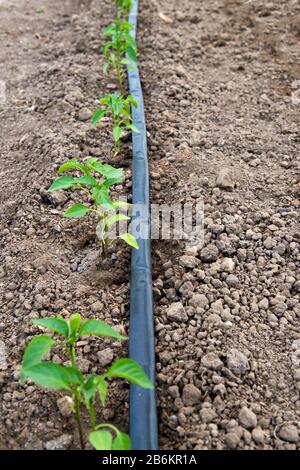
220,88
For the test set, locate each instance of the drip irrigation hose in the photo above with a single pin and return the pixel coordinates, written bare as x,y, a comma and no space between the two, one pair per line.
142,413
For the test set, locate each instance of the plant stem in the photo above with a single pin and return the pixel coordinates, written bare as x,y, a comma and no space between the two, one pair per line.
119,71
78,417
103,246
104,234
73,355
105,227
117,144
92,413
76,398
103,251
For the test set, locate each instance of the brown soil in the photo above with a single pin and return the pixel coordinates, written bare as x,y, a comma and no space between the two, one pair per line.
219,83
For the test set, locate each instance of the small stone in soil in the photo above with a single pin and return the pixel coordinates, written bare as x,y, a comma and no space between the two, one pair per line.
62,442
191,395
227,265
225,179
211,361
237,362
247,418
105,356
232,280
232,439
84,114
289,433
65,406
187,261
177,313
258,435
209,253
199,300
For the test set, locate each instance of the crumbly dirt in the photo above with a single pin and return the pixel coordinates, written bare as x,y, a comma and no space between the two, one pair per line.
50,63
220,82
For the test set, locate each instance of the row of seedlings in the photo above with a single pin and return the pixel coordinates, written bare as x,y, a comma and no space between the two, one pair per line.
94,180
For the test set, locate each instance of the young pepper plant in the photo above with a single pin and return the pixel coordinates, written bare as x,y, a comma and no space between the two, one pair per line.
120,49
118,108
82,390
96,182
124,7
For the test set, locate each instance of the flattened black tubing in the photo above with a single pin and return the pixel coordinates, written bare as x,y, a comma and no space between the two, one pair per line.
143,415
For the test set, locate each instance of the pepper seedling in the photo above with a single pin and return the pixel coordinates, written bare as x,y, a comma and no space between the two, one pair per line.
83,390
124,7
120,49
118,108
97,190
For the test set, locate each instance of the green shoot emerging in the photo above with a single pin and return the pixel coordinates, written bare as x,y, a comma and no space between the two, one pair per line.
124,7
118,108
95,182
119,49
82,390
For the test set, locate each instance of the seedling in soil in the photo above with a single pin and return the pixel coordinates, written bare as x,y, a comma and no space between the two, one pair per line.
124,7
120,49
82,390
118,108
97,190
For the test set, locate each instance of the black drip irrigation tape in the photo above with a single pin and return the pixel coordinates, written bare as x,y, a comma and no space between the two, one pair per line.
143,415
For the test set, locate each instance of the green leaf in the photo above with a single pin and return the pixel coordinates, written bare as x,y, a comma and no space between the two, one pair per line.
130,240
132,101
89,180
106,33
35,351
105,100
126,25
105,67
129,370
98,114
126,112
101,440
74,322
134,128
76,211
130,39
90,387
49,375
117,104
75,377
113,173
99,328
106,46
55,324
109,30
112,58
110,182
119,204
72,164
134,69
116,218
104,169
102,389
125,61
102,198
131,52
121,442
64,182
117,133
